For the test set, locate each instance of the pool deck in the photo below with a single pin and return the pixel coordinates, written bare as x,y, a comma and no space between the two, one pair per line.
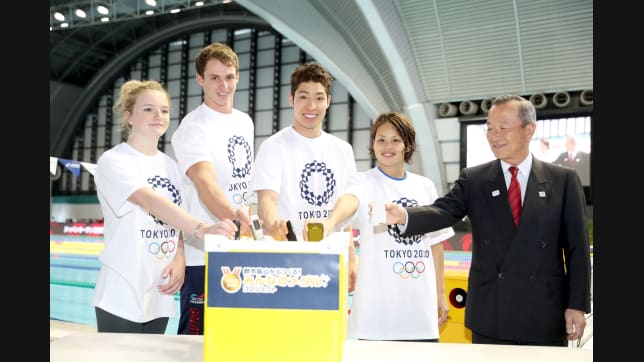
58,329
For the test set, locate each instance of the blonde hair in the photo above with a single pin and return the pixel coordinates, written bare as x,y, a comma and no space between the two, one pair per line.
130,91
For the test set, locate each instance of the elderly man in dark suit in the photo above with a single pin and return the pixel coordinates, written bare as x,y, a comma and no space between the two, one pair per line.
529,280
579,160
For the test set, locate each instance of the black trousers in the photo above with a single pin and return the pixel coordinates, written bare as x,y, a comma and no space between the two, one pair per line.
481,339
108,322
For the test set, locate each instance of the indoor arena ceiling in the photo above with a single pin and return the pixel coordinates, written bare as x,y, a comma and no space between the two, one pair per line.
451,50
79,51
405,55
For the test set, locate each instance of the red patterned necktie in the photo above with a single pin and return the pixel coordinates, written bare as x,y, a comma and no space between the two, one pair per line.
514,193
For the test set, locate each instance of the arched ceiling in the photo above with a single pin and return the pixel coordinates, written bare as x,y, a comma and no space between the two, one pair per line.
401,55
77,53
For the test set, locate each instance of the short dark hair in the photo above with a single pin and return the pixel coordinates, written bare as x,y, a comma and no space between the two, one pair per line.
311,72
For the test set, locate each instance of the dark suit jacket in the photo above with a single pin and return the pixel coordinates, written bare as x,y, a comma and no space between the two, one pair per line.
581,163
521,278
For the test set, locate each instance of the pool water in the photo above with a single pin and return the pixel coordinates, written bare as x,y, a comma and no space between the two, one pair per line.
72,278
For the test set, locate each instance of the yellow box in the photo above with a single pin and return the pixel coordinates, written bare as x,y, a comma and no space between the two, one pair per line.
275,301
457,265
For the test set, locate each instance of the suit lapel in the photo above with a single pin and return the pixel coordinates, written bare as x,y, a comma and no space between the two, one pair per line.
496,199
496,192
537,192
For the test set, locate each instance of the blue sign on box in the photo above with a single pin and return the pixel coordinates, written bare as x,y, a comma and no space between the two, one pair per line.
273,280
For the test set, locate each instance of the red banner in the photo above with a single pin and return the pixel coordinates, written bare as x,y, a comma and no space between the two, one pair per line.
76,228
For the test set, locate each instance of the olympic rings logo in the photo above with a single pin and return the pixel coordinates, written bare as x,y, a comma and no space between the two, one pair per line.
163,250
409,269
241,199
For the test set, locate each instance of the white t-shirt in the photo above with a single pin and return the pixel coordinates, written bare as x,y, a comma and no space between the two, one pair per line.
137,244
395,291
309,174
227,141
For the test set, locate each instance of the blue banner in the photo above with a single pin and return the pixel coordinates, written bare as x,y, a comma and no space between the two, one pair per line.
273,280
73,166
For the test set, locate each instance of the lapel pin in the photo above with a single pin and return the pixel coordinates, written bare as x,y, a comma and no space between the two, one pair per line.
496,193
542,194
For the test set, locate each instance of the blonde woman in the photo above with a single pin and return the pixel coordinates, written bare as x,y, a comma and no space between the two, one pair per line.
143,262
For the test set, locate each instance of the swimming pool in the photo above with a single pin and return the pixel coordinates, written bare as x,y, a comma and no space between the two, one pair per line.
73,269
